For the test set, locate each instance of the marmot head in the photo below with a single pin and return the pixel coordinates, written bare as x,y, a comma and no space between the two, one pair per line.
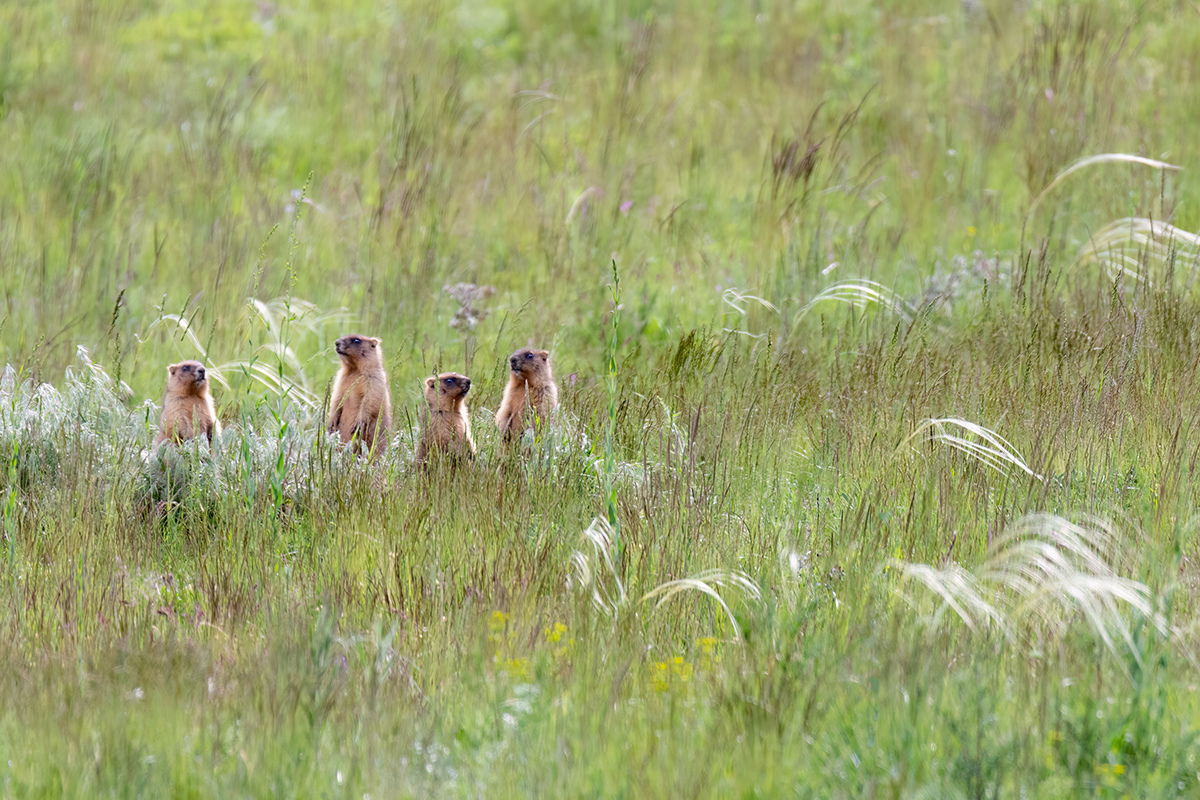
527,362
354,348
187,377
447,389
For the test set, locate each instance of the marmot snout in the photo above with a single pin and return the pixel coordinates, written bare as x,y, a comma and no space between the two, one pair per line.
192,372
451,384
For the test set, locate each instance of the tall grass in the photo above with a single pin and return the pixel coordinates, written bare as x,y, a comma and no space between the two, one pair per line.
876,467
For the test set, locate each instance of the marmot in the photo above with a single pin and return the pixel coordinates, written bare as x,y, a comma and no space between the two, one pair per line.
361,406
188,409
530,388
447,425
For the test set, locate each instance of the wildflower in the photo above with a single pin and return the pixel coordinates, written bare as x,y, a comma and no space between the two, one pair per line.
659,678
470,299
497,624
515,667
554,635
1108,773
708,651
664,673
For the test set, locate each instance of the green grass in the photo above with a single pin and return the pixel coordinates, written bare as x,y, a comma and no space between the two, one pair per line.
877,472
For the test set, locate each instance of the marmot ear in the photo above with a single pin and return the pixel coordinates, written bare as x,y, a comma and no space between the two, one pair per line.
545,354
374,341
171,370
429,382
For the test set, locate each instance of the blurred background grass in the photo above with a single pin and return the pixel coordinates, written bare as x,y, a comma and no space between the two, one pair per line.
749,564
152,148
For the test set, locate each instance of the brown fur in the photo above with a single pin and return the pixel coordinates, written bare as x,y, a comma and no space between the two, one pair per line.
188,409
361,406
531,395
447,425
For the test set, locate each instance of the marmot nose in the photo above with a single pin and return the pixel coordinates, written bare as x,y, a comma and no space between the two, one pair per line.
466,382
200,373
513,362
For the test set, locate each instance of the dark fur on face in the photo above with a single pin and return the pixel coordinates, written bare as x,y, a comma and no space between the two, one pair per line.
450,385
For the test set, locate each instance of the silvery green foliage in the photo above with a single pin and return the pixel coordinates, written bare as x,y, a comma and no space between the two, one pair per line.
43,429
275,457
85,431
963,279
561,448
272,462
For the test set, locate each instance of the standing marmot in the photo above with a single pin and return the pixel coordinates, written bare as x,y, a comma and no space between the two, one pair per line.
447,425
188,408
530,388
361,407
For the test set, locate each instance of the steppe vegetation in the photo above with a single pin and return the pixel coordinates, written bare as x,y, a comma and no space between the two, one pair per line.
877,471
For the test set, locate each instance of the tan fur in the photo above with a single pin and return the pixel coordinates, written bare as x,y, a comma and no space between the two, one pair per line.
531,395
188,409
447,425
361,406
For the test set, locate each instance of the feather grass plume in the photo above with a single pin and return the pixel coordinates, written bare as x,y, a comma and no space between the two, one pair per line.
862,294
274,365
1090,161
980,443
1041,577
593,570
1126,247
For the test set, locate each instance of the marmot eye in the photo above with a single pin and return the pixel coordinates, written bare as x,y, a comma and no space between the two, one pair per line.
449,381
529,355
358,341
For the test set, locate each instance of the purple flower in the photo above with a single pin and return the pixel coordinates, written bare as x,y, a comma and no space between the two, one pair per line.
628,204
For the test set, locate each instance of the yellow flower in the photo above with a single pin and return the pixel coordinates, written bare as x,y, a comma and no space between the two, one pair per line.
682,669
664,673
555,636
1108,773
516,667
971,230
709,657
497,625
658,676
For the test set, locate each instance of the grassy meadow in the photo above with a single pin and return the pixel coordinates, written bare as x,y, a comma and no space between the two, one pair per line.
877,468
